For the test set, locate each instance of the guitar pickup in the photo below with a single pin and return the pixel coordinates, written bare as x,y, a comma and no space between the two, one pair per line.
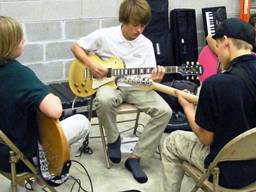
109,74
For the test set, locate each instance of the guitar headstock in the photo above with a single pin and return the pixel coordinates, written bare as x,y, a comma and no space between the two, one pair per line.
141,82
191,70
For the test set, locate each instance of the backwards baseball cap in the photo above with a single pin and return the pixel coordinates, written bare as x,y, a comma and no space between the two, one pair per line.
237,29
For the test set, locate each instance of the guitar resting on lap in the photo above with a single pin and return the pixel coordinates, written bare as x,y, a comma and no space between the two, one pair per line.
83,84
148,84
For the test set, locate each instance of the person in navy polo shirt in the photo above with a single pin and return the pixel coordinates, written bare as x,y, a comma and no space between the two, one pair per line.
226,108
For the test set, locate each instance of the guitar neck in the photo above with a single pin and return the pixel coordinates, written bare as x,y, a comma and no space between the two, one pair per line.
171,91
140,71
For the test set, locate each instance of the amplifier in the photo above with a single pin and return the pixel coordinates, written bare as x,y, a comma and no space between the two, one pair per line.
70,103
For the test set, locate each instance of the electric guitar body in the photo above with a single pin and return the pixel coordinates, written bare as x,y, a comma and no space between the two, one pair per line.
209,61
81,81
83,84
54,142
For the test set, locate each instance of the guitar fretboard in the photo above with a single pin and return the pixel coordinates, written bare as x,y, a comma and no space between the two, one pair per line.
140,71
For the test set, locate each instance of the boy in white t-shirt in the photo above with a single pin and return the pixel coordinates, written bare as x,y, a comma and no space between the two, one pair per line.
127,42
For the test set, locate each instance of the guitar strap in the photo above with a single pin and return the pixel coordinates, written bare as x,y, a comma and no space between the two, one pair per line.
52,180
244,76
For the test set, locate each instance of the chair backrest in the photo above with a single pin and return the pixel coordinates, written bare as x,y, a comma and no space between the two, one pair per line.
54,143
242,147
6,141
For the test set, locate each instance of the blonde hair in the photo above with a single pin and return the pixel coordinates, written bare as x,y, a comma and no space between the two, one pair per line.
10,36
135,12
240,44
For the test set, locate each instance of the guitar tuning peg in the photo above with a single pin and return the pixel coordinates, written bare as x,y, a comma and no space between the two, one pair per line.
187,62
192,63
144,81
130,79
139,80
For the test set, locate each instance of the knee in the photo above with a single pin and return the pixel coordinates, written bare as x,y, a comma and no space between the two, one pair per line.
172,140
84,125
165,111
105,101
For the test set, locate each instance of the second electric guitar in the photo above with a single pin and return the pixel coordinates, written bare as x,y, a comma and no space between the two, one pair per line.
148,84
83,84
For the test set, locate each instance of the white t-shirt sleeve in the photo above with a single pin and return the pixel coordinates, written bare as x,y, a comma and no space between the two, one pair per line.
150,59
90,42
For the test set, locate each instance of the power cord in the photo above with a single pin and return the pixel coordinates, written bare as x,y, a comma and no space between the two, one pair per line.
78,181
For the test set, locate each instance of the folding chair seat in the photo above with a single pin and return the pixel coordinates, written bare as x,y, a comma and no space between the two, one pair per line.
242,147
122,109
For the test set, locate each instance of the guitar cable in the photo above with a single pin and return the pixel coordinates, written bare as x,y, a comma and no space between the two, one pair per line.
85,148
78,181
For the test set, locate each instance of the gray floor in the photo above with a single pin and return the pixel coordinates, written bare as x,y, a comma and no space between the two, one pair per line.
115,179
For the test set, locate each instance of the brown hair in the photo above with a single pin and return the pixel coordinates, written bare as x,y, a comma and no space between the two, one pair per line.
135,12
10,36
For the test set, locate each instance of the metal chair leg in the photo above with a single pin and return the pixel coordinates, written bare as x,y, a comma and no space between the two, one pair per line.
104,145
13,161
90,108
136,123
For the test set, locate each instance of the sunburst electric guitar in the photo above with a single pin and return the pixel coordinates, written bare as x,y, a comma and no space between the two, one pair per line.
83,84
148,84
54,143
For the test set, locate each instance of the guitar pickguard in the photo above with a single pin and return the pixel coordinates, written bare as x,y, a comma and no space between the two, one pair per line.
103,81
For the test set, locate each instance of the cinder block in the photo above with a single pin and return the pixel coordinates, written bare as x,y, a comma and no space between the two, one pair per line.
201,39
79,28
47,72
109,22
16,0
61,9
22,10
199,22
58,50
32,53
43,31
67,67
100,8
235,7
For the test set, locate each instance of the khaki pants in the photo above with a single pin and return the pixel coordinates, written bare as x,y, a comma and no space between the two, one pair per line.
76,128
108,99
180,146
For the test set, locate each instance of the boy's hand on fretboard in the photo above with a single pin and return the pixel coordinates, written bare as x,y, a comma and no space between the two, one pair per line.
157,74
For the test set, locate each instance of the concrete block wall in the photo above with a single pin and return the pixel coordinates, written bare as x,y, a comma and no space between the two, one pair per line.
51,26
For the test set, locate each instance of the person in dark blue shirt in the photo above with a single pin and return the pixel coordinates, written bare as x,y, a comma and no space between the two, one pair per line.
21,95
226,108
